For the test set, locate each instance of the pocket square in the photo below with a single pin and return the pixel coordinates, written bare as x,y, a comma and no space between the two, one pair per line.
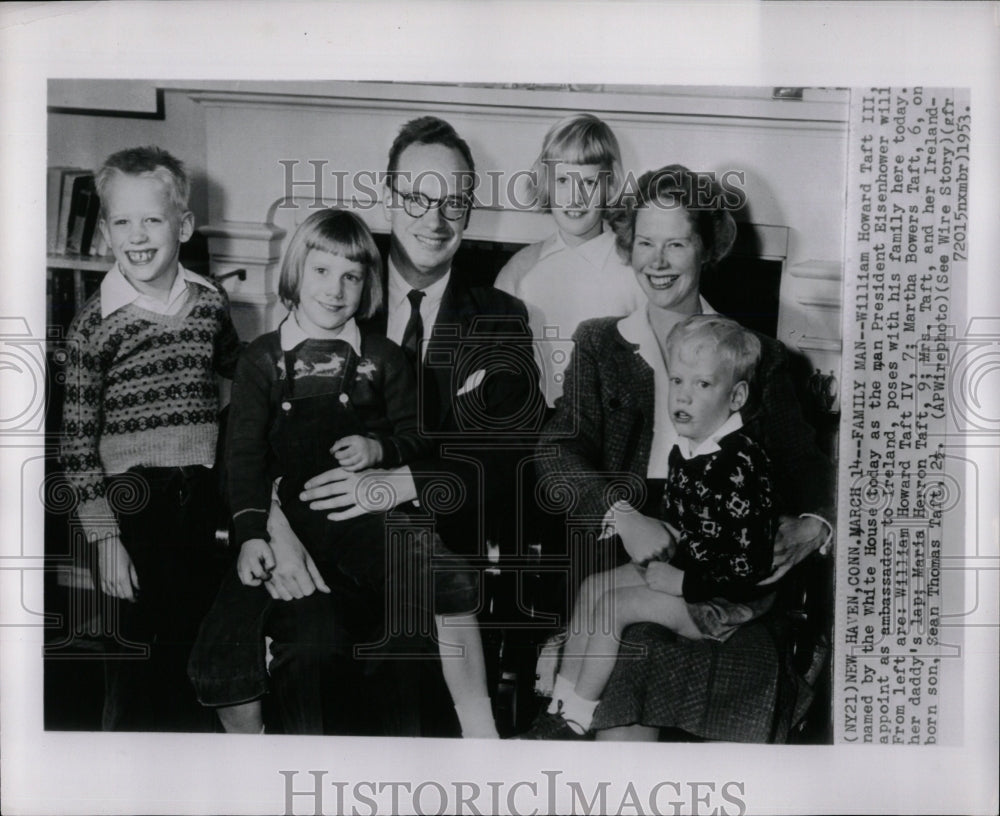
472,382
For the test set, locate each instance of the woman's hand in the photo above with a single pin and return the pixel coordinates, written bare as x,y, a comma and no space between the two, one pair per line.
352,494
796,539
295,574
664,577
357,452
255,562
644,538
117,572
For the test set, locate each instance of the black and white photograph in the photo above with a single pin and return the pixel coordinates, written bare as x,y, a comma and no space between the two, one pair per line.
414,390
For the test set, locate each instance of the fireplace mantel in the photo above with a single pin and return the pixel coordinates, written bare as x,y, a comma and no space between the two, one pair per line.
274,149
735,107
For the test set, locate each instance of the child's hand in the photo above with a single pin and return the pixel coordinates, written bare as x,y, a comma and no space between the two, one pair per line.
356,453
255,562
118,575
796,539
664,577
644,538
669,549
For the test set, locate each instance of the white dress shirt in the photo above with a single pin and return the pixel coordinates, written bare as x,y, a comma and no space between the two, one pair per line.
399,306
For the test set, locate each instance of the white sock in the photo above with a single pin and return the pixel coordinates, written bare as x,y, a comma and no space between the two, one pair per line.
547,665
559,692
475,716
579,711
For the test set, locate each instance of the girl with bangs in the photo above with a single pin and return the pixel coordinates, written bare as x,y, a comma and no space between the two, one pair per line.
319,393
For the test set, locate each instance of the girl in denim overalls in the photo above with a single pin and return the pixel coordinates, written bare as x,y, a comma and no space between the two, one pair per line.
314,395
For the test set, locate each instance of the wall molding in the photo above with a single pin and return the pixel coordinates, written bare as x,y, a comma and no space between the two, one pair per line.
676,109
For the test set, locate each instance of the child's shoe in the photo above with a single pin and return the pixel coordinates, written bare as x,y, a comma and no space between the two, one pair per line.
555,727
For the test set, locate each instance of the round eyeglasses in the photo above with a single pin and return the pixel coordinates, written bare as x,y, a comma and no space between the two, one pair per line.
453,208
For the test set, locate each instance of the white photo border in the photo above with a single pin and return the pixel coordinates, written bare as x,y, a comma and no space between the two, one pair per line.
838,45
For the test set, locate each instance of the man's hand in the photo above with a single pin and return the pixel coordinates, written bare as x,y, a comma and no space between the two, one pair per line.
643,537
796,540
664,577
295,574
255,562
117,572
356,452
352,494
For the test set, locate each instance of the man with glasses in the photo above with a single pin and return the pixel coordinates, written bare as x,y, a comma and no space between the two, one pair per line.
477,387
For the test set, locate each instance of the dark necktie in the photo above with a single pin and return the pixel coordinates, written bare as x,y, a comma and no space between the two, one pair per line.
414,331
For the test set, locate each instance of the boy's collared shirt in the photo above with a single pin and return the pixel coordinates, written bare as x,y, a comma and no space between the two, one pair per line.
636,329
158,399
710,445
399,306
291,334
117,291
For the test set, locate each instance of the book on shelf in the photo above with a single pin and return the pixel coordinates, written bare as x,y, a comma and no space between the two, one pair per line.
62,300
54,181
72,186
84,209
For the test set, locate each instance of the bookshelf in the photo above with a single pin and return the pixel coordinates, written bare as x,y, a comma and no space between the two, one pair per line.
75,246
74,260
70,278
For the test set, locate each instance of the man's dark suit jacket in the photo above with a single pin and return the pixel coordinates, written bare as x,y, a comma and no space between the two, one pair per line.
482,425
479,400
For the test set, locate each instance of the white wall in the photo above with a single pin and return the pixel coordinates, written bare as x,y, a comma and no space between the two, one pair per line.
795,176
232,136
84,141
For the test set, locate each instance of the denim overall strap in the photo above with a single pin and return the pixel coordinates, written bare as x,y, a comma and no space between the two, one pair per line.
307,426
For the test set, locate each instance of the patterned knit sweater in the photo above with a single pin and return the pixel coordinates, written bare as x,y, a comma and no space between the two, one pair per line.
141,391
722,505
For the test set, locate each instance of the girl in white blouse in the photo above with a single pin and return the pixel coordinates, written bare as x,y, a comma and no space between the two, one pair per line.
575,274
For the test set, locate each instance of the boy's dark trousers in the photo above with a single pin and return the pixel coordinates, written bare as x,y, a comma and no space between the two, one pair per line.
170,537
